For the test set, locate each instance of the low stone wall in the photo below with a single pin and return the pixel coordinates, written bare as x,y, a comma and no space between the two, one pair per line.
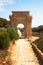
35,33
38,52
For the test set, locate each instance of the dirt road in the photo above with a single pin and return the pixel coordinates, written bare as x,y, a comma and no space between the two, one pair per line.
23,54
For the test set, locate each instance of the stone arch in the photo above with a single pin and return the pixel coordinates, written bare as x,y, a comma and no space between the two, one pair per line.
24,18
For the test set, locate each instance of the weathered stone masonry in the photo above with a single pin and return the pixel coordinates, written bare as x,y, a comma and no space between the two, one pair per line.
22,17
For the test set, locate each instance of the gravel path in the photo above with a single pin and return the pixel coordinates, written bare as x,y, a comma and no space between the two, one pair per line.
23,54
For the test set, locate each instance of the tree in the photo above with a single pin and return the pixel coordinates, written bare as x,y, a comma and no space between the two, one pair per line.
13,34
38,29
3,22
4,39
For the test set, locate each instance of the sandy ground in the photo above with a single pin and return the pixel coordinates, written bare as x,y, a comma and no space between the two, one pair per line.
23,54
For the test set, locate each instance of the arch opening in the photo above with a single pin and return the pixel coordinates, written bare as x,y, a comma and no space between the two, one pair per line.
20,29
20,26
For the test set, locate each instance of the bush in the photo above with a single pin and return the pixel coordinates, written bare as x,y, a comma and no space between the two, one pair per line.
4,39
39,43
4,22
38,29
6,35
12,33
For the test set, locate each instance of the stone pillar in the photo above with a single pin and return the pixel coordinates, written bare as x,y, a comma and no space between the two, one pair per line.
29,31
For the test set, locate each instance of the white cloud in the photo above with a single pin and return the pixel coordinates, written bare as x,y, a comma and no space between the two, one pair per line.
37,20
1,4
2,9
5,2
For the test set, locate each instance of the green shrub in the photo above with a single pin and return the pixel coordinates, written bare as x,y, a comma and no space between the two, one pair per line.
4,22
6,35
38,29
4,39
12,33
2,30
39,43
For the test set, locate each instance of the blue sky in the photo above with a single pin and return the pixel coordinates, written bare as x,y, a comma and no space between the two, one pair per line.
34,6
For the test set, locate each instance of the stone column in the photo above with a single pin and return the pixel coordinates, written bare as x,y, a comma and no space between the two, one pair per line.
29,30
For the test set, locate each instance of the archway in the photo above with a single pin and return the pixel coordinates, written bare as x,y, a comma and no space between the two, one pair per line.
23,17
